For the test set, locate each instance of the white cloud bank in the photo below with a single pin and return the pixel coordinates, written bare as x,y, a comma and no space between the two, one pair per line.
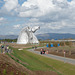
37,8
52,14
10,5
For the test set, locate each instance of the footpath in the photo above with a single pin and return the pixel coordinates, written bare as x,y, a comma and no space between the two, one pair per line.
64,59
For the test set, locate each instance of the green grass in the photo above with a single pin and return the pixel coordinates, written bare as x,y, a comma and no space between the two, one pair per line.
38,62
4,72
0,50
33,61
63,48
11,73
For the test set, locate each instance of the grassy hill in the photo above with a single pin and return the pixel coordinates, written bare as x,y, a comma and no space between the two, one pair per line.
38,63
33,64
9,67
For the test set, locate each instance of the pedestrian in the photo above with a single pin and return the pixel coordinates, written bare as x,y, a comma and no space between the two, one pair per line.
2,46
47,51
35,47
44,51
7,49
41,51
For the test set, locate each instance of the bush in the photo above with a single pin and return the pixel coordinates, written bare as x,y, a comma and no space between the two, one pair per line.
4,71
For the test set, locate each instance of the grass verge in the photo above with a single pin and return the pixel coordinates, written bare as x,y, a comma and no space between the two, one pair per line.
37,62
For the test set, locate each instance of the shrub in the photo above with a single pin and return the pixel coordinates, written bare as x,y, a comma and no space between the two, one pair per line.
4,71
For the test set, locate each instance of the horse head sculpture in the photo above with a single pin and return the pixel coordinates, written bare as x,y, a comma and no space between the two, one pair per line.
26,35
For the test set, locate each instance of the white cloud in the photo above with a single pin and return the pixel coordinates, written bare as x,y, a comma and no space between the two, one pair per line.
49,14
1,19
36,8
72,3
33,20
17,26
10,4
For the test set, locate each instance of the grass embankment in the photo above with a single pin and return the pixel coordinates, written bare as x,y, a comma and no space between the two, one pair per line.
10,67
31,60
37,62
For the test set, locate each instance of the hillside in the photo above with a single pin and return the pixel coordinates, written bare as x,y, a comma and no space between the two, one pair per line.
43,36
55,36
8,36
24,62
9,67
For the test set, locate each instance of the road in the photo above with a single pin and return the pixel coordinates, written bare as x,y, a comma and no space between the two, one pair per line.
64,59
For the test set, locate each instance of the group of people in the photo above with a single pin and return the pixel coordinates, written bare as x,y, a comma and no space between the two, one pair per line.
43,51
5,49
35,47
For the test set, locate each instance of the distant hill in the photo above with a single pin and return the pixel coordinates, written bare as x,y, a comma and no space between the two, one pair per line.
8,36
43,36
55,36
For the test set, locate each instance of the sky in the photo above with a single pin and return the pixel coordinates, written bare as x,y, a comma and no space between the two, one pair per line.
53,16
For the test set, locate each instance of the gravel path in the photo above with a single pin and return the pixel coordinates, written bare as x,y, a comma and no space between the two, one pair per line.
64,59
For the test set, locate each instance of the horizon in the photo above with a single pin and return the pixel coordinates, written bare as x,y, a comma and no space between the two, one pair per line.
45,33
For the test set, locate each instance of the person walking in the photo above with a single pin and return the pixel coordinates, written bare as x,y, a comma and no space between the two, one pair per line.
2,46
7,49
41,51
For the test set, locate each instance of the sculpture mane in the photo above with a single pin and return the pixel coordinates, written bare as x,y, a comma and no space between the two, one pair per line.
26,35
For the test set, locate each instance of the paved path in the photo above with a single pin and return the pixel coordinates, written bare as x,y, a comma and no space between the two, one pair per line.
65,60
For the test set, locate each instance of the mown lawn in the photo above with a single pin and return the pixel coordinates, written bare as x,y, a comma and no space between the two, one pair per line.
37,62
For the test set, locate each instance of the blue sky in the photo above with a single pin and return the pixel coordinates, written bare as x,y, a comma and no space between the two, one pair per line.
53,16
69,0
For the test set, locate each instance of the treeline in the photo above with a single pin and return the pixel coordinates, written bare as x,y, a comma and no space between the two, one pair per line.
8,40
55,44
